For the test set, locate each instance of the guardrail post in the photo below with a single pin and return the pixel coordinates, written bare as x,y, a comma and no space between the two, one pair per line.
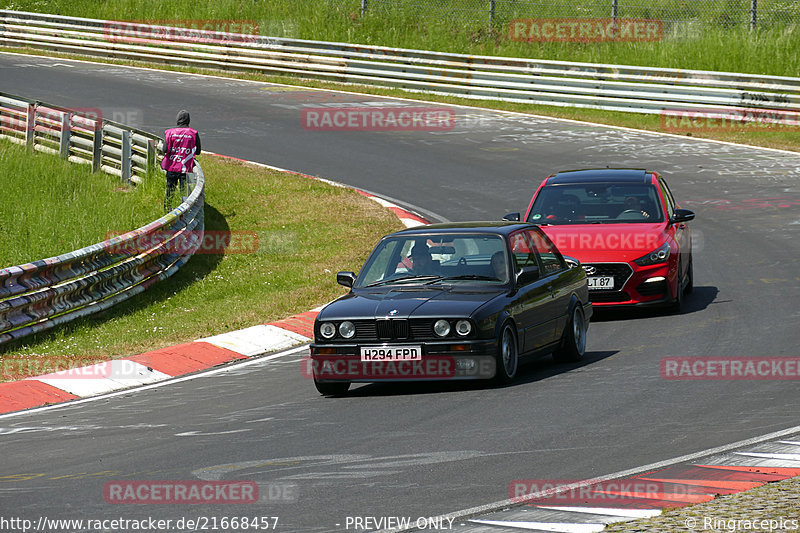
151,154
753,14
491,12
126,156
30,126
363,7
614,9
63,149
97,147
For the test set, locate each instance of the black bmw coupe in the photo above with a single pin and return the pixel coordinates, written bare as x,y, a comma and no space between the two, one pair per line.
452,301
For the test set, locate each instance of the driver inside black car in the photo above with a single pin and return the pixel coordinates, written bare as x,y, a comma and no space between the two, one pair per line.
421,261
499,266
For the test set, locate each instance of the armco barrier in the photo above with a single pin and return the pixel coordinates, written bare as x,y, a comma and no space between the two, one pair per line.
80,136
46,293
560,83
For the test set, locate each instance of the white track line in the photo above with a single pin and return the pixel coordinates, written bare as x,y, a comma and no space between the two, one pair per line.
606,511
201,374
558,527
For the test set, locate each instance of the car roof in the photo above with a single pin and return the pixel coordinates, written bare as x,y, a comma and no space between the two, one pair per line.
601,175
493,226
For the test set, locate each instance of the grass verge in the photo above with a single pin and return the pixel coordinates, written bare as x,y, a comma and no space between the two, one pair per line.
305,229
48,206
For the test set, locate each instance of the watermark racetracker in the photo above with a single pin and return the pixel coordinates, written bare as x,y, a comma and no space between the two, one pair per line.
585,30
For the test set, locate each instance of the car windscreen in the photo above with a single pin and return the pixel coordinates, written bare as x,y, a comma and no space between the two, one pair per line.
459,258
582,203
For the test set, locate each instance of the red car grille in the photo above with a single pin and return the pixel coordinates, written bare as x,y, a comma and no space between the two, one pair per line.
620,271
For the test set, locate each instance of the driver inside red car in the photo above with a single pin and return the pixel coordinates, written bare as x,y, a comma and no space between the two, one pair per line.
634,205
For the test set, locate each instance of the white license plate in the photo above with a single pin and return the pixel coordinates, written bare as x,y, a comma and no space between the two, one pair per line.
391,353
604,282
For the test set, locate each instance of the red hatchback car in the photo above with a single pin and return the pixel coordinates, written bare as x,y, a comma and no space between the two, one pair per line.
625,228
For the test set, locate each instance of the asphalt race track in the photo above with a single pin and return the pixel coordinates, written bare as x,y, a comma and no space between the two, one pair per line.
424,450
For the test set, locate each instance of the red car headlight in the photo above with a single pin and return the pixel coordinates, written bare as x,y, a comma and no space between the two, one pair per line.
659,255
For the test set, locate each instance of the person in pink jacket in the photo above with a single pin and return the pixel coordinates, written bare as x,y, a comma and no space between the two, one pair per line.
181,147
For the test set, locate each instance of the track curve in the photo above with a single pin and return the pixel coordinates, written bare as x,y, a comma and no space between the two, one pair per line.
423,450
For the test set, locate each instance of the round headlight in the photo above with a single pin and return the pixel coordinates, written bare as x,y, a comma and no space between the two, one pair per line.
463,327
327,330
658,255
441,327
347,329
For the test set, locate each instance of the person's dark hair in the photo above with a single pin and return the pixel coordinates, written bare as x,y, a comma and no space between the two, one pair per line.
183,118
419,250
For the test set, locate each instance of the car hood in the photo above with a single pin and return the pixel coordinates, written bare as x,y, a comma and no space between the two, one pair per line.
607,242
409,302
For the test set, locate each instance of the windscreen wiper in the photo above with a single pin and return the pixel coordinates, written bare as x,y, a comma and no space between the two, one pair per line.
471,276
404,278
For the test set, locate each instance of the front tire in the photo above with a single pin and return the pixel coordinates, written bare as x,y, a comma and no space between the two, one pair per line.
690,275
675,307
573,341
507,356
332,388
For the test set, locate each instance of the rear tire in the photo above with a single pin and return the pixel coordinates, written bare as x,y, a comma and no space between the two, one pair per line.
332,388
507,359
573,340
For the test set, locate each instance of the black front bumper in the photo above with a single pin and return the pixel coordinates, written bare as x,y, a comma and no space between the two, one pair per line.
462,360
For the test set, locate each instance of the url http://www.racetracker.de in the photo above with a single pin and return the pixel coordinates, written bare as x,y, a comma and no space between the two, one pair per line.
89,525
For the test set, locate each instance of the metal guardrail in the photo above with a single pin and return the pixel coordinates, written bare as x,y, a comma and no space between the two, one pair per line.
108,146
46,293
559,83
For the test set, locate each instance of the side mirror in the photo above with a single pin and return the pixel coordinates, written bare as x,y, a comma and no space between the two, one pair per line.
513,217
681,215
572,262
527,275
346,278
